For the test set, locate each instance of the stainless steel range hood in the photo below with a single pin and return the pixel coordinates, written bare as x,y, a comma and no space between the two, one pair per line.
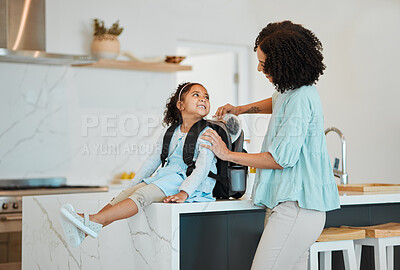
23,35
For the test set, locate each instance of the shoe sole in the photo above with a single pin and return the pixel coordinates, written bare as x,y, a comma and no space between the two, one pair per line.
71,232
77,223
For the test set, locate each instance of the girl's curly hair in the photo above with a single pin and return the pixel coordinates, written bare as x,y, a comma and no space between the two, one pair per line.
294,55
172,114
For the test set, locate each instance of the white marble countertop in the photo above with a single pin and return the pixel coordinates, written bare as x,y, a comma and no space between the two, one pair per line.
346,198
378,197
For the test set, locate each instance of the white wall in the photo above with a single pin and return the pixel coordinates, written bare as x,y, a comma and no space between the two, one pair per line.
42,107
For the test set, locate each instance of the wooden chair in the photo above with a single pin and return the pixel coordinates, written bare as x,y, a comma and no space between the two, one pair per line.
383,238
333,239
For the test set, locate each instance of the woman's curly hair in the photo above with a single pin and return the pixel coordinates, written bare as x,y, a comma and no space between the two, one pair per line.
294,55
172,114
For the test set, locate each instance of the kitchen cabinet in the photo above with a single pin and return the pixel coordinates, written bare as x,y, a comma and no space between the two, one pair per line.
220,240
10,247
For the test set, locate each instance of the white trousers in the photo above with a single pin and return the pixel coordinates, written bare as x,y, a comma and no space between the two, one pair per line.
288,234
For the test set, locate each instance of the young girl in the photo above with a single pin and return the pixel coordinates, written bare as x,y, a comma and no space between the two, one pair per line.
189,104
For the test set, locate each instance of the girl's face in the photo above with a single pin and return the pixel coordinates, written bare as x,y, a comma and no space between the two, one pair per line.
195,103
261,63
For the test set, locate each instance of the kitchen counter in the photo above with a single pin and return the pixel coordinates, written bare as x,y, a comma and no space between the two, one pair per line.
378,197
151,239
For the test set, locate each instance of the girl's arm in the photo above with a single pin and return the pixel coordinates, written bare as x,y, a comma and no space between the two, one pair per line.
263,106
151,164
204,162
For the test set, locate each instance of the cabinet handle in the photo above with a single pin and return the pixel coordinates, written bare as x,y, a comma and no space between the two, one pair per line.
11,218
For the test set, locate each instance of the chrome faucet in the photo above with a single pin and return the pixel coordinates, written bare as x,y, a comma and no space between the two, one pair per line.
341,174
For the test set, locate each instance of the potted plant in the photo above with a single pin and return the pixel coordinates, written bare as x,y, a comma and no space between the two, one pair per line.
105,42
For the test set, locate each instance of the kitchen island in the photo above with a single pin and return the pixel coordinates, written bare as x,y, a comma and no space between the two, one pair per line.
150,240
216,235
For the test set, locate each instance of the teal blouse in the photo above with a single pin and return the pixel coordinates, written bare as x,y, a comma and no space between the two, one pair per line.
296,140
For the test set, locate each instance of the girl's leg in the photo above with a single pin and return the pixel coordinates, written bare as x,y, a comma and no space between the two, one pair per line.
125,194
289,233
124,209
121,197
129,207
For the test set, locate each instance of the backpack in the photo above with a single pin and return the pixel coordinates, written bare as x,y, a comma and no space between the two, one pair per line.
230,178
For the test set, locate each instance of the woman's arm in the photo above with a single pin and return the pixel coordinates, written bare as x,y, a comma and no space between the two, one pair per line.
261,160
263,106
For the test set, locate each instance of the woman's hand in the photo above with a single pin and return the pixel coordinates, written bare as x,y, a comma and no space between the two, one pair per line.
228,108
178,198
217,144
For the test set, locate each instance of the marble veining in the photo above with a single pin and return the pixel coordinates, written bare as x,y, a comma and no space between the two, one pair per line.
42,110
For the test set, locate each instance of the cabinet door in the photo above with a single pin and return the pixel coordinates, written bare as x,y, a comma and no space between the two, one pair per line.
203,241
244,232
220,240
3,247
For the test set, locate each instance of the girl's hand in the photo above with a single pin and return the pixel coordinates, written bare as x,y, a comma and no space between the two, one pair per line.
217,144
177,198
228,108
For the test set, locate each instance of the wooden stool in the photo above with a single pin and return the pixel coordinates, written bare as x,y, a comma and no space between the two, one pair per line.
383,238
333,239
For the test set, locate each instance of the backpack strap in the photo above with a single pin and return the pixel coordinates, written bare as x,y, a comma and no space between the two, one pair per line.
166,141
190,145
222,165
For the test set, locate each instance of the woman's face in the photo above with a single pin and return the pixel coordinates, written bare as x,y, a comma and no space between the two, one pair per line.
196,102
261,63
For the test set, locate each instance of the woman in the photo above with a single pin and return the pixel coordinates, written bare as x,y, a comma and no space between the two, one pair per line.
294,176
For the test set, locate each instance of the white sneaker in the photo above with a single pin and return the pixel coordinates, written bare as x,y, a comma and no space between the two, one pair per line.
84,224
73,236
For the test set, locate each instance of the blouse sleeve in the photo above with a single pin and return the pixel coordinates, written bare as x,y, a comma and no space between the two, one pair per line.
286,145
204,162
151,164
